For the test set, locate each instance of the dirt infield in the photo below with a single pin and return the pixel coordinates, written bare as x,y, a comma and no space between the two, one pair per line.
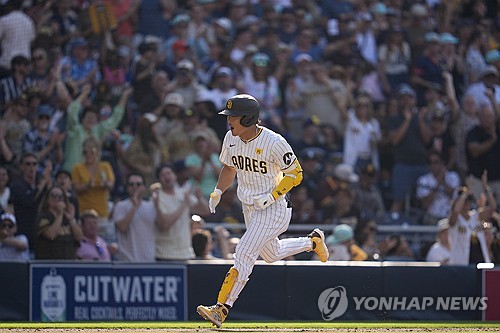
274,330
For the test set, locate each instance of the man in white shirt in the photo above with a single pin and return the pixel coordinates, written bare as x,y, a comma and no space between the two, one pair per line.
17,32
135,220
12,247
440,250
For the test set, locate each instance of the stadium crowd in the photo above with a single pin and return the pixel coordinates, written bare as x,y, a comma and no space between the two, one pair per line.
109,133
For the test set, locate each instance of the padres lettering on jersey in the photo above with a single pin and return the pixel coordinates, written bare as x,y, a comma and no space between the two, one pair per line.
245,163
258,162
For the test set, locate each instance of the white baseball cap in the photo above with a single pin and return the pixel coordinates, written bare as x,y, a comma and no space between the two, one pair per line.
346,172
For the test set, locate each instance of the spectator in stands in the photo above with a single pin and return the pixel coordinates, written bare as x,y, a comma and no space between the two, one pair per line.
427,71
58,232
492,246
92,246
342,247
202,244
93,181
18,32
47,145
223,87
338,206
135,220
463,222
408,133
171,115
311,136
304,210
4,190
204,165
146,153
323,97
126,13
434,189
453,60
306,42
440,250
264,86
362,134
27,193
294,111
417,27
64,21
80,128
63,180
474,57
186,83
80,68
180,139
15,125
178,35
487,90
365,235
368,196
12,246
464,120
13,85
152,101
394,61
42,74
396,248
144,70
114,71
174,206
483,152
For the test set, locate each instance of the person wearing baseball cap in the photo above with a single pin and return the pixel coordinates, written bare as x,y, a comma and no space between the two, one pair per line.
440,250
341,245
12,247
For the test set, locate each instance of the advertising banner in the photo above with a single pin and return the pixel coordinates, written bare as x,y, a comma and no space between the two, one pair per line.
89,292
491,290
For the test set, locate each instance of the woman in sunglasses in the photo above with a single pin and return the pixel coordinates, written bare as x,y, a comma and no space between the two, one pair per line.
58,233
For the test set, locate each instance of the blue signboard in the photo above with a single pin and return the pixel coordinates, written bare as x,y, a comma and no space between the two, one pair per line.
90,292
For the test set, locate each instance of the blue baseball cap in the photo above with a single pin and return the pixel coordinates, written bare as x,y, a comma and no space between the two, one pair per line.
341,234
447,38
492,56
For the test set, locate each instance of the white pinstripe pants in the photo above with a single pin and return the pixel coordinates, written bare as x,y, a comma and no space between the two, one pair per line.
261,238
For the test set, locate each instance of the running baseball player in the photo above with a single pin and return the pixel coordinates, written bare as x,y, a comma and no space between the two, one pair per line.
267,169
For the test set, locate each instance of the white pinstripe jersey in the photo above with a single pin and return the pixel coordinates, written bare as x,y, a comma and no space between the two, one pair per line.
459,237
258,162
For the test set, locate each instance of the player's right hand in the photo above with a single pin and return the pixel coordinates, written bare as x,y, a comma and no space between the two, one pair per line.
214,200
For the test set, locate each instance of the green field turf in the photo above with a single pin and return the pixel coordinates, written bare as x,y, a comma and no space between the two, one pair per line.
259,326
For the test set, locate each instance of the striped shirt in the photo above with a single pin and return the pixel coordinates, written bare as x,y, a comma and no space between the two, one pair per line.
10,89
258,162
459,237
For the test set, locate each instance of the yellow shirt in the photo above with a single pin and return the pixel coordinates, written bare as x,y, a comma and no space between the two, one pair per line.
97,196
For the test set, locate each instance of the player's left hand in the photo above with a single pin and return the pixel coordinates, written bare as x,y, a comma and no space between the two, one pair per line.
263,201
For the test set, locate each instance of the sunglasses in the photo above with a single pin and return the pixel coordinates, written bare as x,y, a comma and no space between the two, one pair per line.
135,184
57,196
7,226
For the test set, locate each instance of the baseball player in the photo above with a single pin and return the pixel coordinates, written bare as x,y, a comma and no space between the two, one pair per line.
267,169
